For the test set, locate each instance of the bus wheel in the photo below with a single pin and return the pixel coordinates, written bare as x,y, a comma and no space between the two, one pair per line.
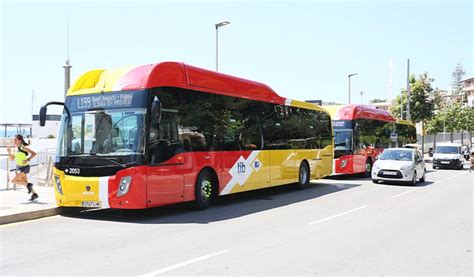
203,190
303,179
368,168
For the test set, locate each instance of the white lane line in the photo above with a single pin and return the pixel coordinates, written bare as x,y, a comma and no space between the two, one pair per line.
185,263
334,216
403,193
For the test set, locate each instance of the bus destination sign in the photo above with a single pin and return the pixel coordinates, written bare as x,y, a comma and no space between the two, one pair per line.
125,99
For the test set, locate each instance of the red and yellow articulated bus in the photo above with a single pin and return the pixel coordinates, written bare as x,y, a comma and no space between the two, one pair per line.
361,133
158,134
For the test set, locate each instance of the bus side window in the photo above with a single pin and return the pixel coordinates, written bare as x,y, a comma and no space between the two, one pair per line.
251,135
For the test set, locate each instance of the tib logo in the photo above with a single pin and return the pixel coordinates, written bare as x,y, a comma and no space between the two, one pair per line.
256,164
240,167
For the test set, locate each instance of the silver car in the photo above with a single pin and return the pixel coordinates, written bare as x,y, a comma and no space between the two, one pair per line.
399,165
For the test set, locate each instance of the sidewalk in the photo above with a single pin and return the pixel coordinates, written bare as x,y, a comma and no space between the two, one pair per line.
15,207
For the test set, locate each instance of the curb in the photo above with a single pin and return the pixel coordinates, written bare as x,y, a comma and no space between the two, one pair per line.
7,219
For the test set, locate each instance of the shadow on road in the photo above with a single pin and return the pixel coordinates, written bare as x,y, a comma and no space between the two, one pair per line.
418,184
227,207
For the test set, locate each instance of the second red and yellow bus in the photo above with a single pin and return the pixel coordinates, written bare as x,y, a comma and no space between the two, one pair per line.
361,133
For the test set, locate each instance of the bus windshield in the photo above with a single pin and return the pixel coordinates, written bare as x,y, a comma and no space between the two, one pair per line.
112,132
342,139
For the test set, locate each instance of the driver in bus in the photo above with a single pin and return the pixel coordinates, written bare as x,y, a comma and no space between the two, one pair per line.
103,123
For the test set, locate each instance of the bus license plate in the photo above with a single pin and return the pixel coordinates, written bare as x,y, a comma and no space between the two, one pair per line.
90,204
389,173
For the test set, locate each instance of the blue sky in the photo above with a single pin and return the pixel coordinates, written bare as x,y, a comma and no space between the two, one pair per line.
302,49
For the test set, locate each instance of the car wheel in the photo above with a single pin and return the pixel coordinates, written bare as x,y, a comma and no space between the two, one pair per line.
423,178
303,179
461,165
203,190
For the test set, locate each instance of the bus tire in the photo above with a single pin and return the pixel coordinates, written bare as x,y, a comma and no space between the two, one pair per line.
303,175
203,189
368,167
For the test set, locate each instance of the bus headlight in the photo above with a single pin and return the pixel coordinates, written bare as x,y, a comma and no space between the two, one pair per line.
343,163
124,185
57,182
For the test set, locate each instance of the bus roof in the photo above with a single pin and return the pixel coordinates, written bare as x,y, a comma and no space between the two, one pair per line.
172,74
352,112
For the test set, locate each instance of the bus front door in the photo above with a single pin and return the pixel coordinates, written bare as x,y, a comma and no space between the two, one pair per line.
165,181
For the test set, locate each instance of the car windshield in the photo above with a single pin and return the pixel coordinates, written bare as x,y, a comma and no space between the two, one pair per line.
447,150
114,132
397,155
342,139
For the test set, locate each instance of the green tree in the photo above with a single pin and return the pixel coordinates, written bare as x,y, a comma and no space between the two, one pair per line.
453,118
423,101
466,122
457,76
435,125
400,99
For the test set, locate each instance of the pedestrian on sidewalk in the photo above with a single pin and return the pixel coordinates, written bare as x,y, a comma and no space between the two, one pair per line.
22,156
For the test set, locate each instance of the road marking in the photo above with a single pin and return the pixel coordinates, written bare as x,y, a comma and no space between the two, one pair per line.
334,216
185,263
403,193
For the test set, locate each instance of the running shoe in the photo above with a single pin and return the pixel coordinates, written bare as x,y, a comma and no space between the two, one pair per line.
34,197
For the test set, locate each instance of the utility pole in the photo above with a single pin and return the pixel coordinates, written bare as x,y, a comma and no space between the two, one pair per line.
349,77
218,25
67,66
408,90
67,76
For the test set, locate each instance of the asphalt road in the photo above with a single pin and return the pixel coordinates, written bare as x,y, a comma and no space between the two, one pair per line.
337,226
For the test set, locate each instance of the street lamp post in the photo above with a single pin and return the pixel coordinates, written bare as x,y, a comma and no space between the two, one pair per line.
349,77
220,24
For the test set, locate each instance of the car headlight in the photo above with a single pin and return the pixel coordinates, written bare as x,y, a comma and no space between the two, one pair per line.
376,167
406,167
57,182
343,163
124,185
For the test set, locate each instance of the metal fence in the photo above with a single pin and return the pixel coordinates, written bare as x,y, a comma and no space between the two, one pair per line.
41,168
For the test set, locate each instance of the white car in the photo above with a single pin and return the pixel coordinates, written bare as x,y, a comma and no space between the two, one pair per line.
399,165
448,155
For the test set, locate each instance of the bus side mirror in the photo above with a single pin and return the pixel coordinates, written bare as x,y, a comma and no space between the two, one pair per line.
44,110
42,115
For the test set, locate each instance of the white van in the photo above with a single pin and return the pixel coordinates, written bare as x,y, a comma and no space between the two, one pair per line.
448,155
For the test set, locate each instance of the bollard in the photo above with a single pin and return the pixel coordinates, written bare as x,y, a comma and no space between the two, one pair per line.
8,173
